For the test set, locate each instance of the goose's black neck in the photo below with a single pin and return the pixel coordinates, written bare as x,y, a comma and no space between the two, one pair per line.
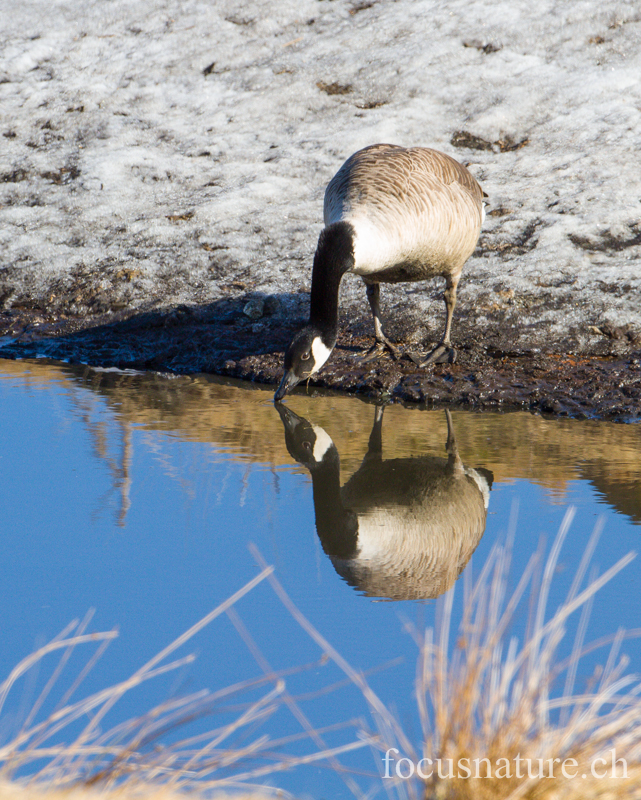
334,257
337,526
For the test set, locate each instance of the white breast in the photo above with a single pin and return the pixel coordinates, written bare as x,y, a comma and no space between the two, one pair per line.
380,532
374,249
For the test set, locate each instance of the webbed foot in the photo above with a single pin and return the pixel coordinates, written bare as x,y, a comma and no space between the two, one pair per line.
441,354
377,350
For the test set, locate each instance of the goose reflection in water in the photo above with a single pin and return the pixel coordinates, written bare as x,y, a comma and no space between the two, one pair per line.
402,528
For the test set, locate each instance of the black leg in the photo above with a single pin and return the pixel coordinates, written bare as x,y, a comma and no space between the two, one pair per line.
444,352
382,342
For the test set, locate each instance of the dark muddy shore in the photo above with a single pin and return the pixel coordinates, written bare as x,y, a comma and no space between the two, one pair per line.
245,338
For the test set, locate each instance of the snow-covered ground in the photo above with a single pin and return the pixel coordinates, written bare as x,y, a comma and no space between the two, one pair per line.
178,151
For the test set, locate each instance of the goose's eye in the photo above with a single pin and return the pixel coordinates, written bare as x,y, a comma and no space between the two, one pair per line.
305,356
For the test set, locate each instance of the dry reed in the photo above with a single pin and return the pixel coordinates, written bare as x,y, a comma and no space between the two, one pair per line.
130,760
495,698
492,699
485,702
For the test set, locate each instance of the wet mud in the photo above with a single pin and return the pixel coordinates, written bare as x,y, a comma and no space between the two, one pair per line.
245,338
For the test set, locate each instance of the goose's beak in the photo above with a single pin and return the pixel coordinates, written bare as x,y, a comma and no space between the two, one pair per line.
286,385
289,418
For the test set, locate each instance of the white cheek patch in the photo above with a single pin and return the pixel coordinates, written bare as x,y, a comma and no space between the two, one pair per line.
320,354
322,444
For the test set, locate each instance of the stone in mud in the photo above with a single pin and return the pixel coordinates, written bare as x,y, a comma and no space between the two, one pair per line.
254,308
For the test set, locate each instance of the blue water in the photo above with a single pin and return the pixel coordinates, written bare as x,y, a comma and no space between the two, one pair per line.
107,505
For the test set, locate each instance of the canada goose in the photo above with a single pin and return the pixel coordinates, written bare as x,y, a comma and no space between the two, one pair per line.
392,214
402,528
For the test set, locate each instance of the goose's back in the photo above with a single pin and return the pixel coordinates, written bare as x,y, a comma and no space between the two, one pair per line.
416,212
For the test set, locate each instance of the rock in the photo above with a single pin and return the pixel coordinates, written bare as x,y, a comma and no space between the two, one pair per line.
254,308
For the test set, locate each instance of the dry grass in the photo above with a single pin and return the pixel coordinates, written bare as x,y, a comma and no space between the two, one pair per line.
131,759
18,791
493,697
486,696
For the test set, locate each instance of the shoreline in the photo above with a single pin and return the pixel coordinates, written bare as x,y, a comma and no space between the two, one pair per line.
490,373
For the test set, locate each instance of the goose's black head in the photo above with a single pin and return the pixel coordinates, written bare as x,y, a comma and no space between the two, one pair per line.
309,444
312,346
305,355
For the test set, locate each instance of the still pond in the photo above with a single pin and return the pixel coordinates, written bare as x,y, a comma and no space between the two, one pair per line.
153,498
